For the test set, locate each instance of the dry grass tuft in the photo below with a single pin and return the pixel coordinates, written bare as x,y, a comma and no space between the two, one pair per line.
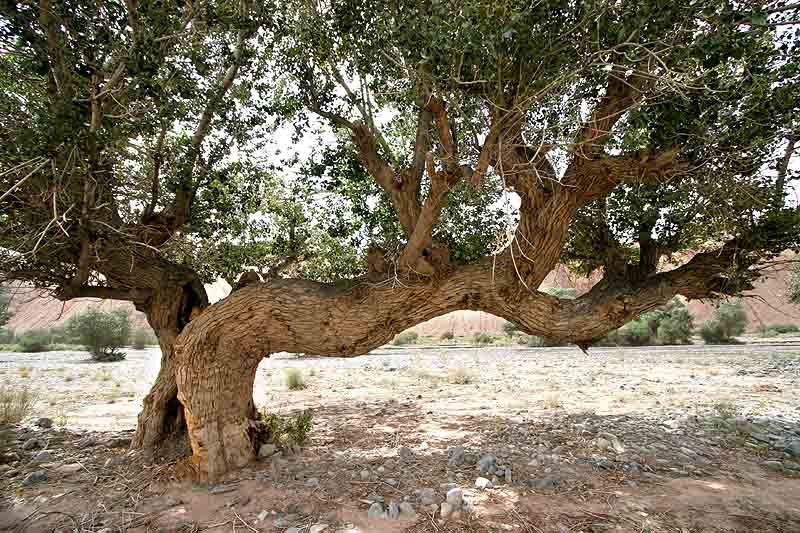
294,379
461,376
16,403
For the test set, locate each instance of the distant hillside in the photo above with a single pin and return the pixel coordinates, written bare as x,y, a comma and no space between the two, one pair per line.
33,308
768,305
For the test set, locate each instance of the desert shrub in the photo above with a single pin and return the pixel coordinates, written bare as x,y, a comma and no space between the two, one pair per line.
670,324
16,403
101,333
460,376
294,379
34,340
7,336
568,293
447,335
712,333
283,431
777,329
510,328
407,337
535,341
730,319
482,338
62,335
143,337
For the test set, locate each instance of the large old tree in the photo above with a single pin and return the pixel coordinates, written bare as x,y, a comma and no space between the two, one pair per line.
459,150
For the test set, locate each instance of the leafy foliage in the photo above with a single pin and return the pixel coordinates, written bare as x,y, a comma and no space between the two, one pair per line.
482,338
102,333
406,337
142,338
730,320
34,340
670,324
283,431
510,328
5,311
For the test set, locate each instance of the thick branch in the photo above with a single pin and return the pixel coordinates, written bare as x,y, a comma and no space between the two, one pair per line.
621,95
106,293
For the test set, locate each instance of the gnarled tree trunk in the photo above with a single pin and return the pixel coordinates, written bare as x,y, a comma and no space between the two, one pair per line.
218,353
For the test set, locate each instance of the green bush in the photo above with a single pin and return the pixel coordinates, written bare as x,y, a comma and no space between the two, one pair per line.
777,329
62,335
294,379
730,319
535,341
283,431
7,336
510,328
102,333
670,324
712,333
567,293
407,337
142,338
483,338
34,340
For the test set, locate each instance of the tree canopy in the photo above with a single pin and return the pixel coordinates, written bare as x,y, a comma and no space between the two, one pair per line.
662,127
403,159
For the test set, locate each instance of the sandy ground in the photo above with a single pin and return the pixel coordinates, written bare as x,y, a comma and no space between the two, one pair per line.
696,438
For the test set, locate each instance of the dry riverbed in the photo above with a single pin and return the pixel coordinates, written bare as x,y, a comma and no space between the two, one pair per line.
444,439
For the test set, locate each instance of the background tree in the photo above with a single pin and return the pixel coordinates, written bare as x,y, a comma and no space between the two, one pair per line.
472,146
5,311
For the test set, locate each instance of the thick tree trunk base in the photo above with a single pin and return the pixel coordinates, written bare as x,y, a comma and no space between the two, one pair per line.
161,426
217,395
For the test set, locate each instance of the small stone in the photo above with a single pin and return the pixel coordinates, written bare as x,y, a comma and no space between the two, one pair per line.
508,475
775,466
294,530
375,497
483,483
455,456
381,470
86,442
613,442
318,528
34,477
262,516
119,442
487,464
392,482
376,511
427,496
365,475
43,456
455,497
547,483
312,482
793,448
267,450
394,510
105,530
405,453
45,423
32,443
407,511
446,509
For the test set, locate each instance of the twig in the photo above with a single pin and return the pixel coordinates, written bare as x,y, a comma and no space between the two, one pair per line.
251,528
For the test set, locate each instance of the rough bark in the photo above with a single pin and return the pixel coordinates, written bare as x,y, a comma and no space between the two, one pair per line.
218,353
